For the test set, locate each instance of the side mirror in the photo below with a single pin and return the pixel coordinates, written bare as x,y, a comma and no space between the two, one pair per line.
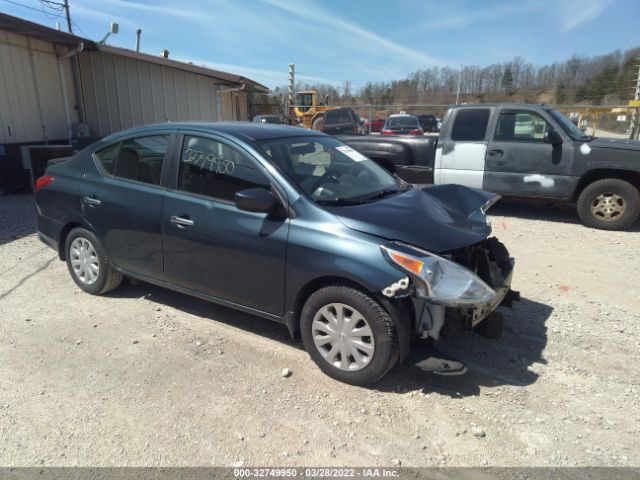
552,137
258,200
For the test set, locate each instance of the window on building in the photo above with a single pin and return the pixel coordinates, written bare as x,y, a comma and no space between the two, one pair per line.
213,169
470,125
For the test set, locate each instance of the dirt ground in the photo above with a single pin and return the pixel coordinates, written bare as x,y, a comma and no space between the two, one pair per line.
148,377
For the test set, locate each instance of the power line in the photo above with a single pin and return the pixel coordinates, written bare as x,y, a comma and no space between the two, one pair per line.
56,6
52,5
39,10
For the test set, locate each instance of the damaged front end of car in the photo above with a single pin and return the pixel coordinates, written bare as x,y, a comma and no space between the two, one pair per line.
455,289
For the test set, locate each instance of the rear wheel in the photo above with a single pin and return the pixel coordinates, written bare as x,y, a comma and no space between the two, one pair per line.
609,204
88,263
349,335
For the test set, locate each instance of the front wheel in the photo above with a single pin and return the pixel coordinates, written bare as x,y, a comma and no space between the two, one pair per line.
349,335
609,204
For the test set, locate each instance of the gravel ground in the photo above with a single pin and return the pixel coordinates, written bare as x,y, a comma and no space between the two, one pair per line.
148,377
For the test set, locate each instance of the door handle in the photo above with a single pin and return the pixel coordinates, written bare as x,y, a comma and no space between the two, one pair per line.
91,201
181,222
496,153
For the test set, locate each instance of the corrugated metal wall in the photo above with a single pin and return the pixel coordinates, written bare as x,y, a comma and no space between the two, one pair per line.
31,100
122,92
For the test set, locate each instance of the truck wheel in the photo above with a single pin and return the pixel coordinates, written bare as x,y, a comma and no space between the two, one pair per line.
317,124
349,335
88,263
609,204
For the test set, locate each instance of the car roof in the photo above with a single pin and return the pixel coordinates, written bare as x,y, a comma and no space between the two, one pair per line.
247,131
401,115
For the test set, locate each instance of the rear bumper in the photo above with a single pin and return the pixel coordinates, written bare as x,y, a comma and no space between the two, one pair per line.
49,231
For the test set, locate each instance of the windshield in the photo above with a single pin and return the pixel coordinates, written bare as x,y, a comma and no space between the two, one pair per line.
402,122
568,126
329,171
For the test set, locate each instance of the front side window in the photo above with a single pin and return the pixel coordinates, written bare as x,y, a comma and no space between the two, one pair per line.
521,127
329,171
216,170
470,125
140,159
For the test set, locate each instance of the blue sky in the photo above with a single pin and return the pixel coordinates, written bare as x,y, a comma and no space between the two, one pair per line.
359,40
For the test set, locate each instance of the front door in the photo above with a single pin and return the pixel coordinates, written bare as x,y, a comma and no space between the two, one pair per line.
519,162
212,247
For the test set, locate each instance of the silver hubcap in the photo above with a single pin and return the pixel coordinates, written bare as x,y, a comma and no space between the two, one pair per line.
343,337
84,261
608,206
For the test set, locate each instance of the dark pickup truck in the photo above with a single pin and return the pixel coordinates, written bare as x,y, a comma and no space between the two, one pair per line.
521,151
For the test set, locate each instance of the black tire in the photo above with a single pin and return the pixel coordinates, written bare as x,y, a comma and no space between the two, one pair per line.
629,195
379,321
317,124
107,278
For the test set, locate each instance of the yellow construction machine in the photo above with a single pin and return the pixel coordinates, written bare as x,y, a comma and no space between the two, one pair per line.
307,111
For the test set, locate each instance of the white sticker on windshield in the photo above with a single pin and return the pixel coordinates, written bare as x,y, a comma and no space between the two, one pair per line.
351,153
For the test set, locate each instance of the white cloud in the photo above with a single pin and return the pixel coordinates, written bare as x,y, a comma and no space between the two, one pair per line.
448,16
311,12
99,16
576,13
262,75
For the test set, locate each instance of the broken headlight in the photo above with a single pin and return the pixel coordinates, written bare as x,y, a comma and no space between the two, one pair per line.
437,279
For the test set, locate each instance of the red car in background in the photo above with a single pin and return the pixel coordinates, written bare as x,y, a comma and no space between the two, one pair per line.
376,124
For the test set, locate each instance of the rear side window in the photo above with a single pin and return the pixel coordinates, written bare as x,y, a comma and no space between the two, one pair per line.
140,159
470,125
214,169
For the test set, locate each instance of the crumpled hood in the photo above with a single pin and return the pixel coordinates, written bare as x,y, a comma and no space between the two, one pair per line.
437,218
618,143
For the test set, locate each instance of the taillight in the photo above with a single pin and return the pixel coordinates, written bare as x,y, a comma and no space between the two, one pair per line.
416,131
43,181
387,132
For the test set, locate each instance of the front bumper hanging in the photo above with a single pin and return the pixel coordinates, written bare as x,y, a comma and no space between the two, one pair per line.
489,260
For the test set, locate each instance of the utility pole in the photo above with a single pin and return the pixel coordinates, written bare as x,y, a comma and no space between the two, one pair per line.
635,117
290,96
458,89
68,15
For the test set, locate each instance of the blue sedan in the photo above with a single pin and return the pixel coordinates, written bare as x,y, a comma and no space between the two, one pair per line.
284,223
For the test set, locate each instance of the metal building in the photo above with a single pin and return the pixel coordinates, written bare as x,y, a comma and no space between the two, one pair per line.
55,86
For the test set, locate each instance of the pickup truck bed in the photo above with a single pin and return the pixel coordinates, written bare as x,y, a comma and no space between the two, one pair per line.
411,158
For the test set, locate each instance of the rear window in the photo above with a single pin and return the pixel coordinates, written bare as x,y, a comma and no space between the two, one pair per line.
402,122
338,116
470,125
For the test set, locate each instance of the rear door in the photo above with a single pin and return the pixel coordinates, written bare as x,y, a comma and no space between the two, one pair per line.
461,151
520,163
122,195
212,247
